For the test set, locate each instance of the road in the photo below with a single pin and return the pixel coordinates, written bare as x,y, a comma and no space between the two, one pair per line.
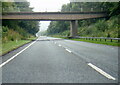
55,60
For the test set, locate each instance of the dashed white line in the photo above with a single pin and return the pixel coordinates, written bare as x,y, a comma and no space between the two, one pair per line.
95,68
68,50
59,45
7,61
101,71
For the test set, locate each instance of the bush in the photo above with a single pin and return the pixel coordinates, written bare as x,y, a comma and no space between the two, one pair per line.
66,33
10,35
101,25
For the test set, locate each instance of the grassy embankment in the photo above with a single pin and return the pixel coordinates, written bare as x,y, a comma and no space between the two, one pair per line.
108,42
12,39
11,45
102,28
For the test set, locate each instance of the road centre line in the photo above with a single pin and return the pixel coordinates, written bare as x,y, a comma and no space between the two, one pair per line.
7,61
101,71
65,48
68,50
59,45
95,68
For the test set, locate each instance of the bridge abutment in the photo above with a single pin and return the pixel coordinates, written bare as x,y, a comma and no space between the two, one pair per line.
73,28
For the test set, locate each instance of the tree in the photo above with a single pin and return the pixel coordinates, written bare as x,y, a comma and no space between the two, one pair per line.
24,28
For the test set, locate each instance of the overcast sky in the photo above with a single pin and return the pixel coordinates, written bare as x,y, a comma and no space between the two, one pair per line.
47,5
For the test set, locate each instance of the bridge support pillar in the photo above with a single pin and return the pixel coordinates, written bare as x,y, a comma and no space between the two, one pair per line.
73,28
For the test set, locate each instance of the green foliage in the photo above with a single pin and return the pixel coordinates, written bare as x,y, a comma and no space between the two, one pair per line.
83,6
108,42
31,27
11,45
10,35
0,32
65,8
61,26
101,25
109,27
102,28
9,7
24,6
65,33
113,8
4,29
58,27
18,29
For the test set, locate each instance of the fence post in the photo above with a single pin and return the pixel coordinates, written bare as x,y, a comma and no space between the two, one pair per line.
111,40
118,40
105,40
100,39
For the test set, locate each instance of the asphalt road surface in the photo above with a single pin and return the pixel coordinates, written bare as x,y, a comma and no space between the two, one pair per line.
54,60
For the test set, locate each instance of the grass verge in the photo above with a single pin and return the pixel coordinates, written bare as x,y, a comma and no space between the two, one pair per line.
114,43
107,42
12,45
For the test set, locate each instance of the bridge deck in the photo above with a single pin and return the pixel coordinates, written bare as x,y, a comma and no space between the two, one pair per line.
53,15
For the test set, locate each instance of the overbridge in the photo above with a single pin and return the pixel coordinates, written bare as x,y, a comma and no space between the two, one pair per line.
73,17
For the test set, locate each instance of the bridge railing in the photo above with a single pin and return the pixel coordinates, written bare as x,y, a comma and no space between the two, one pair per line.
99,38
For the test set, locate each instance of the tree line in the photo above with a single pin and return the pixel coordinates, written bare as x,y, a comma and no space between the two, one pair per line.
105,27
18,29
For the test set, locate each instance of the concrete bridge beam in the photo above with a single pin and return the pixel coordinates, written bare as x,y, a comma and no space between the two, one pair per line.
73,28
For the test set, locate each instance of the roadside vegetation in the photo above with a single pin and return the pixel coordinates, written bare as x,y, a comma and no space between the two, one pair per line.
17,32
11,45
108,42
103,27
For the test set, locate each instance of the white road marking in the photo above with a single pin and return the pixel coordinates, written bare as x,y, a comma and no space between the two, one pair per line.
59,45
101,71
55,42
7,61
68,50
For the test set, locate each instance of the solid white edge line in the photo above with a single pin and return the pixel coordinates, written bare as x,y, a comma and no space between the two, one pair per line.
68,50
101,71
7,61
